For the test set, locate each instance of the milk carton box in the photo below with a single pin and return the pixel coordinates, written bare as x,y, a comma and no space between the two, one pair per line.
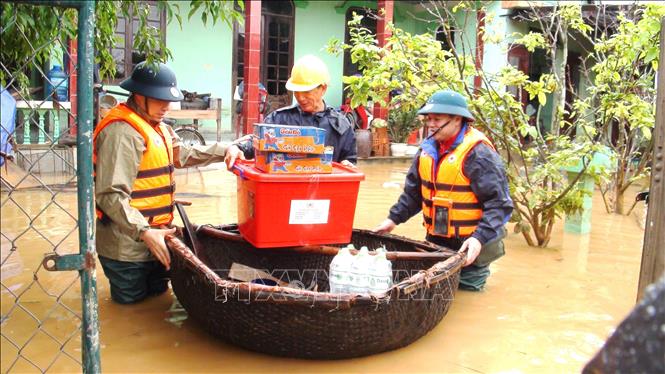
294,163
289,139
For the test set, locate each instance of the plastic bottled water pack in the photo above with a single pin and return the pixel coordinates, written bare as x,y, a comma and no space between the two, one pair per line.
361,273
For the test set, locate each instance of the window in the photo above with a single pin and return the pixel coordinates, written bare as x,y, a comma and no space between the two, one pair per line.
123,53
277,44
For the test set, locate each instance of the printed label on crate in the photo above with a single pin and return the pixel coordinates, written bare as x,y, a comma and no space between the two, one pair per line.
293,139
308,212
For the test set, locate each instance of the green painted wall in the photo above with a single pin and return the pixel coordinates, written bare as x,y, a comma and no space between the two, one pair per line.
405,20
329,16
315,25
202,59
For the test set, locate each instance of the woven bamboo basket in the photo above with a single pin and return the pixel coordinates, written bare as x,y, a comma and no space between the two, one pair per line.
308,321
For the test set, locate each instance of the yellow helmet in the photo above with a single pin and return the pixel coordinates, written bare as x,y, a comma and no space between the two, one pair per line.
308,73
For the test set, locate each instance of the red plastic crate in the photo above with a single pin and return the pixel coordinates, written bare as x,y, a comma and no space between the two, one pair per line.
284,210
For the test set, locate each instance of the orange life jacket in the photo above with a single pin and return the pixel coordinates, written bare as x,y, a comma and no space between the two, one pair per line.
447,181
154,186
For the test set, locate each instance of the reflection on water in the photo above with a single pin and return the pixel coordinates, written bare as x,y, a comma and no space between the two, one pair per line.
544,310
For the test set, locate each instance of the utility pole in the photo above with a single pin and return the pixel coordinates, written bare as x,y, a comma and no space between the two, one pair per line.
653,252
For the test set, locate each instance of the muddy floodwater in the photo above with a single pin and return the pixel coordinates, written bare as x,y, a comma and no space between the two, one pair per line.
543,311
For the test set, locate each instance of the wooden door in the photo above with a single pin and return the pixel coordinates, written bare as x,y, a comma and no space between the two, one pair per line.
277,50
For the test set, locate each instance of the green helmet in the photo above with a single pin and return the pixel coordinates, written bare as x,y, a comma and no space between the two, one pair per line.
161,84
447,102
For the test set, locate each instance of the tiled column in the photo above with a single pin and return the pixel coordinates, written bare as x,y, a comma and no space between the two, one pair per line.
251,101
382,33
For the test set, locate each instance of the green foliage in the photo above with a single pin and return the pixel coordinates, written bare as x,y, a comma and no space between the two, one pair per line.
31,32
216,10
28,34
532,40
571,15
624,96
535,161
619,103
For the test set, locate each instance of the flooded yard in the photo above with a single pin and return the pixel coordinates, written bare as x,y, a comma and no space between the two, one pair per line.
544,310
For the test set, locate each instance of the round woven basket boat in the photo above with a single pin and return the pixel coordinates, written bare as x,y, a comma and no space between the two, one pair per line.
304,320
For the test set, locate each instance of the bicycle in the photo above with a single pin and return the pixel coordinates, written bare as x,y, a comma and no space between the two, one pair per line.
188,133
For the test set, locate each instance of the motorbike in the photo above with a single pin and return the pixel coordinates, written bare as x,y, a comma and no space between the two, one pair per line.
360,117
264,105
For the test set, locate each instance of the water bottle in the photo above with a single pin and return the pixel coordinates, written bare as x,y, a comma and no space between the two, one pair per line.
340,269
56,85
360,271
380,273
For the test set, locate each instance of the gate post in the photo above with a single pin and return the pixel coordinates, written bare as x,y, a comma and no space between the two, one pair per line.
86,213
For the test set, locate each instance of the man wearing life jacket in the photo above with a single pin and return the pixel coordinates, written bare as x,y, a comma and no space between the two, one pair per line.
458,181
134,156
309,82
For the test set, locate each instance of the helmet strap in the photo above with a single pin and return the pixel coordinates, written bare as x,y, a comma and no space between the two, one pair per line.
142,110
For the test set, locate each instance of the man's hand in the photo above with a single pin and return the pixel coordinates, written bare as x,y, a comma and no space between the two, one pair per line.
233,152
348,163
385,227
472,246
154,240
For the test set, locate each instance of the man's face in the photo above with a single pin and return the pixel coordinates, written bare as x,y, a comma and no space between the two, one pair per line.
312,101
156,109
451,125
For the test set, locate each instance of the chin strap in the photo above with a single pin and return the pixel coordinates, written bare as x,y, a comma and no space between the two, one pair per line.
142,110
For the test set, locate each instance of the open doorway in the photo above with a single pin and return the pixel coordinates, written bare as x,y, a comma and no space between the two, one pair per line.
368,22
277,29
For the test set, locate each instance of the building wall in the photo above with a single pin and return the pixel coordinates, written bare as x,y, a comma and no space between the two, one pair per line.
315,24
202,59
202,55
496,54
329,16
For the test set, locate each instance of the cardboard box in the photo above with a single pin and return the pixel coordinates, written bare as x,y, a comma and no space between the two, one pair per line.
294,163
289,139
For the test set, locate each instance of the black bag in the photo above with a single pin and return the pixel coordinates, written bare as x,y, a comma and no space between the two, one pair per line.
195,101
492,250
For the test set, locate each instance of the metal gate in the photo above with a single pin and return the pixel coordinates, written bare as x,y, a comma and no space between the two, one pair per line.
49,317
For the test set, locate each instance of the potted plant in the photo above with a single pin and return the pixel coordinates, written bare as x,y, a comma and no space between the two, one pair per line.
401,123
